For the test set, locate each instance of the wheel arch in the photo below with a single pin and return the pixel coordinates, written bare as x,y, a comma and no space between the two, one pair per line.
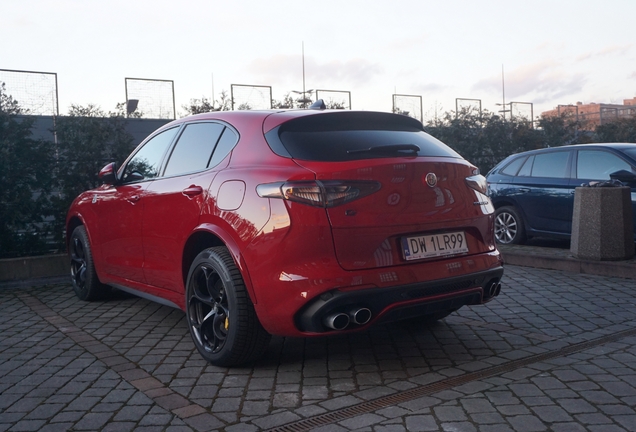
207,236
72,223
504,202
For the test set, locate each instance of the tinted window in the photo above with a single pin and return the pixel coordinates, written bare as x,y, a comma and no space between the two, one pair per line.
598,165
224,147
146,162
551,165
513,167
526,169
630,152
194,148
352,136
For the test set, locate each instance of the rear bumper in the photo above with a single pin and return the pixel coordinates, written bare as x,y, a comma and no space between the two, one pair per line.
397,302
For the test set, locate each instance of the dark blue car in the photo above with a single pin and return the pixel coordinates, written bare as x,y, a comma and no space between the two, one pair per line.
533,192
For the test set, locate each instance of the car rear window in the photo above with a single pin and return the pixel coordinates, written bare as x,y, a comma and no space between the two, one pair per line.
345,136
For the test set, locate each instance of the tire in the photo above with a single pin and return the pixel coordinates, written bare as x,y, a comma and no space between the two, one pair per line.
221,317
509,228
84,278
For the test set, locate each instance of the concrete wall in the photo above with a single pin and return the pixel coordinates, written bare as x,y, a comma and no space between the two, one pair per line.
138,128
34,267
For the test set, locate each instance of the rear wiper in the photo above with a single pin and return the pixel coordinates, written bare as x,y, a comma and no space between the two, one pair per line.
387,149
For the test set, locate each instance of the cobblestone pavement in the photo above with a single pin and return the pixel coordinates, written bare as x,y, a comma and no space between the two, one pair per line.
555,351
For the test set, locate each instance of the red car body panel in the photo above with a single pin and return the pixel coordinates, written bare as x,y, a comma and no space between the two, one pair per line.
145,234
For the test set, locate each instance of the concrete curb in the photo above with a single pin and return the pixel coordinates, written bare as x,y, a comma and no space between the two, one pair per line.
558,259
25,268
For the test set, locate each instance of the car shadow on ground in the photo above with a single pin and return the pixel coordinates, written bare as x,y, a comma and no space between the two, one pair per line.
548,243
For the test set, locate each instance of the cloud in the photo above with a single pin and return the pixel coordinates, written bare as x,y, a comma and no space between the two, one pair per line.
408,45
539,82
288,68
431,88
619,50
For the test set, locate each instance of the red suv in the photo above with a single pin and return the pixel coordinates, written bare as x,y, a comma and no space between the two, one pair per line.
293,223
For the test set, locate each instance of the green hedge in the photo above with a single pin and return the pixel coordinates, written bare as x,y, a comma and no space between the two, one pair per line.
39,179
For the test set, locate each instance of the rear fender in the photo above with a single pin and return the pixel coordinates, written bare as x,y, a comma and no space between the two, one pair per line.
234,250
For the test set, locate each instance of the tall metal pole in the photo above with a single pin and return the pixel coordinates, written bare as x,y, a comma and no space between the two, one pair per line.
212,90
503,92
303,70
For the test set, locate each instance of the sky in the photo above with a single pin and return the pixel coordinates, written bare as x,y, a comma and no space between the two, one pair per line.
544,52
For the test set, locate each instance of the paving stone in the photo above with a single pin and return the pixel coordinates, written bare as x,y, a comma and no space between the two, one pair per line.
93,421
449,414
552,414
541,311
526,423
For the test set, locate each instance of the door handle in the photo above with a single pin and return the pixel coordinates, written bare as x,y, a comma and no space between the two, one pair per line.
192,190
133,199
524,190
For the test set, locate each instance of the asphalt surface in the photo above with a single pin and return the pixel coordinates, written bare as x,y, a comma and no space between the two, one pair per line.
556,351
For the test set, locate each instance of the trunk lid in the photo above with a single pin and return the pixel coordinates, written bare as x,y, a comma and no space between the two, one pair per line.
371,231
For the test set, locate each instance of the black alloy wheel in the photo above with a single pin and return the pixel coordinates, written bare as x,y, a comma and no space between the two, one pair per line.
84,278
221,316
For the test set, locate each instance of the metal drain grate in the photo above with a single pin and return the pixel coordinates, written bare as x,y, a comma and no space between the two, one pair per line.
408,395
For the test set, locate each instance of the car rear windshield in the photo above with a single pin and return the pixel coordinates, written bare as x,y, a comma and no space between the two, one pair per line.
346,136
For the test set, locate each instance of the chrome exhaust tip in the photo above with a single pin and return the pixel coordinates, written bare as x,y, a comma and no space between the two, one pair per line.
494,289
360,316
337,321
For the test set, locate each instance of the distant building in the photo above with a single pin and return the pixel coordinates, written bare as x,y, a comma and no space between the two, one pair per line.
594,114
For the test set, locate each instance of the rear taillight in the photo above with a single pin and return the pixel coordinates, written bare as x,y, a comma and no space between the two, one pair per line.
478,182
319,193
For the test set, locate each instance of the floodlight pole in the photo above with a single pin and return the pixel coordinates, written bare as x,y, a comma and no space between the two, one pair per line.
303,48
503,95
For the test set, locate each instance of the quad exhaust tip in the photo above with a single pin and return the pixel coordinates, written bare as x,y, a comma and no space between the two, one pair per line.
360,316
494,289
341,320
337,321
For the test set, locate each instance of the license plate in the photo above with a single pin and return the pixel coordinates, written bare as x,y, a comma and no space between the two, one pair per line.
434,245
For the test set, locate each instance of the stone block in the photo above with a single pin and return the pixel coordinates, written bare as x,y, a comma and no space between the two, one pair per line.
602,225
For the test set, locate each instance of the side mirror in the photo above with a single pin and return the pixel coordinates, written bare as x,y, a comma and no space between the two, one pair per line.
108,174
624,176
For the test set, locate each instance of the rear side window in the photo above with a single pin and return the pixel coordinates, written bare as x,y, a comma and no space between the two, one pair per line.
598,165
346,136
551,165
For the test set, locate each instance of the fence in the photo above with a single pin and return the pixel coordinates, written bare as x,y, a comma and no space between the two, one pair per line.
247,97
150,98
36,92
410,105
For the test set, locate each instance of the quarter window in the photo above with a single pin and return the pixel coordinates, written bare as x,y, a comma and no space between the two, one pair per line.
224,147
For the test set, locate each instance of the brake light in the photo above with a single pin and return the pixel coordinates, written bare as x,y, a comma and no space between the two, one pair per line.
478,182
327,193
